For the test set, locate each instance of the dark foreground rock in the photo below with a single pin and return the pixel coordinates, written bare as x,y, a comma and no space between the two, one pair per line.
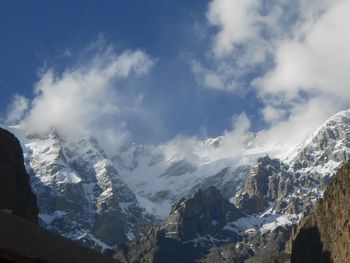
24,242
16,196
324,236
21,239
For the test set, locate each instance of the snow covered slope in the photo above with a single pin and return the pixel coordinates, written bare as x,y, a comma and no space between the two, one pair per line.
80,193
277,193
101,201
159,176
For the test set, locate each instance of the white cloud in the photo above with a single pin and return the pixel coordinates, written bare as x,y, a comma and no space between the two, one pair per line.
316,60
17,109
232,144
304,118
272,114
247,33
237,22
208,79
83,99
301,49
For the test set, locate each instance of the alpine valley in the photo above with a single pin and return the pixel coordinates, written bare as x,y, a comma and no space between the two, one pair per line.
152,204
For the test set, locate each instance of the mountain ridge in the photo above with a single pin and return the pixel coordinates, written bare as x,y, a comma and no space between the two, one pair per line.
147,182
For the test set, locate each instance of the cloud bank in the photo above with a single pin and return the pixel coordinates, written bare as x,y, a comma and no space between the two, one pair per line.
84,99
292,54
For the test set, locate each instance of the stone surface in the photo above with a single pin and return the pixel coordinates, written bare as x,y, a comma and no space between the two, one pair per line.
80,193
206,213
324,236
23,242
194,226
16,196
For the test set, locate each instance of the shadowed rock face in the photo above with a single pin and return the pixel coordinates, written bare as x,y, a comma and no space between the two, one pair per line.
266,183
324,236
16,196
308,247
206,213
194,226
24,242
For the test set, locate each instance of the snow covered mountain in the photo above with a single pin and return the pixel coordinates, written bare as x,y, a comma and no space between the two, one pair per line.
80,193
275,195
85,196
160,176
100,201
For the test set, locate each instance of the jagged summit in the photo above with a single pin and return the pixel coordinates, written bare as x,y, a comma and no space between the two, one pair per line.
208,212
194,225
86,196
80,193
330,142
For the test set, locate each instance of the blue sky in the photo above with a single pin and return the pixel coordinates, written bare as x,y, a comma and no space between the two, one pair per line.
212,60
37,35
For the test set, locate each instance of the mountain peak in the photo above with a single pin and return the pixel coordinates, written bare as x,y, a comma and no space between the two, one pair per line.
208,212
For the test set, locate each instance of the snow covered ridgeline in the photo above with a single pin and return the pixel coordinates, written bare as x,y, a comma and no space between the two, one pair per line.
79,188
159,176
79,192
83,197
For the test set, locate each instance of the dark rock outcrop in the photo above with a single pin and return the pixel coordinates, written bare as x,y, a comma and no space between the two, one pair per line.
262,186
194,227
16,196
229,181
206,213
23,242
324,236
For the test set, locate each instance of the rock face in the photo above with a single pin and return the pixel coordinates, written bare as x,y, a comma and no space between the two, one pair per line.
275,195
264,185
85,196
229,181
205,214
23,242
161,175
324,236
16,196
80,193
194,226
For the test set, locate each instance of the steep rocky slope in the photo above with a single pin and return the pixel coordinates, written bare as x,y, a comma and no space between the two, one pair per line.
275,195
278,192
80,193
324,236
194,226
86,196
160,176
21,239
16,196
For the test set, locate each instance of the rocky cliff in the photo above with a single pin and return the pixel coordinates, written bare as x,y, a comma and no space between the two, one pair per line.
80,193
16,196
194,226
21,241
324,236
